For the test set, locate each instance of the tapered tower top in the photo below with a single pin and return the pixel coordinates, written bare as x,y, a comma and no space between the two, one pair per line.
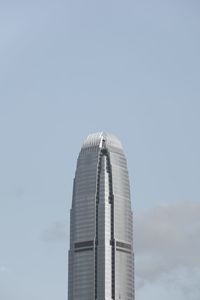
101,264
100,139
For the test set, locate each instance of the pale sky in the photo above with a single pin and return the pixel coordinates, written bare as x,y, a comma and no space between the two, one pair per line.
69,68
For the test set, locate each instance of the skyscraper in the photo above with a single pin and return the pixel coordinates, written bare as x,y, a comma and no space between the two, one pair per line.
101,263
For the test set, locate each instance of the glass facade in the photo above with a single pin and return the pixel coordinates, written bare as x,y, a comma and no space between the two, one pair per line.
101,261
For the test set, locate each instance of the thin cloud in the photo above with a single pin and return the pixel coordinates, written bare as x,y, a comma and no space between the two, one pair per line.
55,233
3,269
167,250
